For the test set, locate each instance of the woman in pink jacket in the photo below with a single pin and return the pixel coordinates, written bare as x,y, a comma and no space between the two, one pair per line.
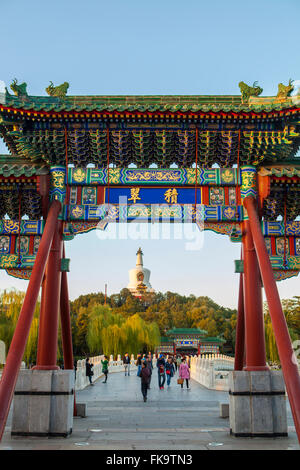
184,373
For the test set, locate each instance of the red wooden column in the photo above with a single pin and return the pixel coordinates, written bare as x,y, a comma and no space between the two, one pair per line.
41,318
65,319
240,330
48,328
253,305
283,340
18,343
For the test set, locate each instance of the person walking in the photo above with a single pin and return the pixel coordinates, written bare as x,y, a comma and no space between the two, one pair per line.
138,364
170,370
145,375
175,362
150,367
105,368
126,362
184,373
89,370
161,364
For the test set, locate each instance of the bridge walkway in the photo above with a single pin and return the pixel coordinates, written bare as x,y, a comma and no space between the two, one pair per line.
171,419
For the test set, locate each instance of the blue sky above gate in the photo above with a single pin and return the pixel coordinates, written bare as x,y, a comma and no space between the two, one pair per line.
157,47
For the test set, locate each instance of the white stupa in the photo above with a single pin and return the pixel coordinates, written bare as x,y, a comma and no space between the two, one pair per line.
139,277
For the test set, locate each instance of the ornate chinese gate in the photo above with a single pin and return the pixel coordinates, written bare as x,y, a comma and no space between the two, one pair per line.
228,161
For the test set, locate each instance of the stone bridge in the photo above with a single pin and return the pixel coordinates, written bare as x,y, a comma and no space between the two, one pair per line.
116,418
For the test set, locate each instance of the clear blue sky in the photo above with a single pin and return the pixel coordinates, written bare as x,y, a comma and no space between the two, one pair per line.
155,47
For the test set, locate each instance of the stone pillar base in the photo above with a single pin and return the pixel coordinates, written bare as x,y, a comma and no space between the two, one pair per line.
257,404
43,403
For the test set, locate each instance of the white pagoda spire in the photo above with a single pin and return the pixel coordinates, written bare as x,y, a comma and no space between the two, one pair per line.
139,277
139,258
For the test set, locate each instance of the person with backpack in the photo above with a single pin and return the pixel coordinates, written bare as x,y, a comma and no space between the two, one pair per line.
105,368
161,364
145,378
170,370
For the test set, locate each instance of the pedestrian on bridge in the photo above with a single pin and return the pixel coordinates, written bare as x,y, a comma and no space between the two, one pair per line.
161,365
175,362
126,362
89,370
145,379
184,373
139,364
170,370
150,367
105,368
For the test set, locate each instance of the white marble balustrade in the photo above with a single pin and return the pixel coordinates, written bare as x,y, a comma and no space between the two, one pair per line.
212,370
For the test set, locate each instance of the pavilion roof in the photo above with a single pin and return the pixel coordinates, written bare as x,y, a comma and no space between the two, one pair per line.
185,331
160,129
213,339
145,103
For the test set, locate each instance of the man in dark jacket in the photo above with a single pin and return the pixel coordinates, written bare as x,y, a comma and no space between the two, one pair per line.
145,378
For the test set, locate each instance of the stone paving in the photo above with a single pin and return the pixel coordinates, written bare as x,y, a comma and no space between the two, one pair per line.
171,419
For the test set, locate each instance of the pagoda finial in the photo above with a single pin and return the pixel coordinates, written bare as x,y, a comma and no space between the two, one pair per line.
139,257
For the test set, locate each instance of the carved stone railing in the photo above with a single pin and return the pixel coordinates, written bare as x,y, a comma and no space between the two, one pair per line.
212,371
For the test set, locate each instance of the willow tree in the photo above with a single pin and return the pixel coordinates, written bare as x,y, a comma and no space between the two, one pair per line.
11,302
113,339
140,334
111,333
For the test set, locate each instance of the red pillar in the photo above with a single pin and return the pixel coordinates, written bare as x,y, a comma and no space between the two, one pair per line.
283,340
240,331
41,318
18,343
48,328
253,306
66,331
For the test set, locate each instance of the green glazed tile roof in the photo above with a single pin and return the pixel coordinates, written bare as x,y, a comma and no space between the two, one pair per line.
143,103
213,339
164,339
186,331
12,165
